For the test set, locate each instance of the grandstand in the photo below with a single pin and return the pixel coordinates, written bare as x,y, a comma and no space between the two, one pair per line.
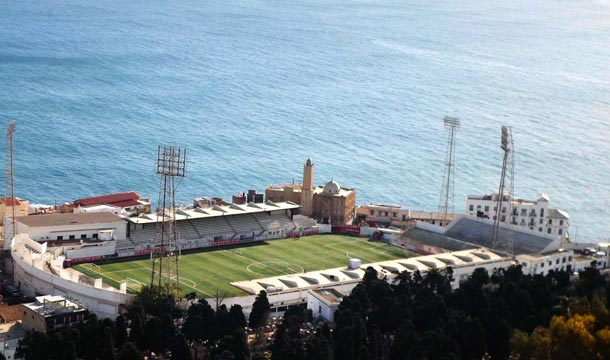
468,230
201,227
478,232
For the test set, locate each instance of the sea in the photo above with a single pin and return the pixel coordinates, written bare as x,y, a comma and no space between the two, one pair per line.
253,88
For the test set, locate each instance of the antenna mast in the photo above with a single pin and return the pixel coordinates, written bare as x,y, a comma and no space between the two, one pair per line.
453,124
171,163
508,163
9,186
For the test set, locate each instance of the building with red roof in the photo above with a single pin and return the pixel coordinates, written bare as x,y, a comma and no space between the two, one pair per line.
130,202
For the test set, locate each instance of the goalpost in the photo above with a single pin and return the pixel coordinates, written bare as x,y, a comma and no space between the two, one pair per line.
134,284
92,267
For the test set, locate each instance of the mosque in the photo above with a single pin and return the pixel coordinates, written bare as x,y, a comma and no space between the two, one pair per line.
328,204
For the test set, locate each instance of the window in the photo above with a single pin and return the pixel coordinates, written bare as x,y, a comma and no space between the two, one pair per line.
60,238
503,210
83,236
541,212
471,207
393,214
523,212
548,230
404,217
495,208
72,237
486,208
570,258
560,231
386,213
550,221
563,260
541,221
540,229
94,236
557,262
478,206
550,263
372,212
560,222
542,265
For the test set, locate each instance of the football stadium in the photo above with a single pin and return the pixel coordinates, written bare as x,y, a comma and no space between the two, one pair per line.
212,271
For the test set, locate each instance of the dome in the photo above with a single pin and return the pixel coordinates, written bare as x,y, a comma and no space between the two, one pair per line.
331,187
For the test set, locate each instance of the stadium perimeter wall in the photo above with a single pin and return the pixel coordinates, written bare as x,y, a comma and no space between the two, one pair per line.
34,277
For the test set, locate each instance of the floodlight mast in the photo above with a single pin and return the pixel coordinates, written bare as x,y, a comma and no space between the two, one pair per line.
171,163
447,190
508,160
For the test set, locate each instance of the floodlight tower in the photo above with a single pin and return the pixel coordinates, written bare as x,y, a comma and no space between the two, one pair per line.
447,189
9,186
508,164
171,163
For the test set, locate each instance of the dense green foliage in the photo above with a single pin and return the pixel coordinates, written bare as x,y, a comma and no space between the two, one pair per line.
490,316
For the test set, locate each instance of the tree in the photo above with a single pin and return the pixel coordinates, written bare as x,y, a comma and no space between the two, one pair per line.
129,352
106,348
260,310
181,350
121,331
498,340
572,338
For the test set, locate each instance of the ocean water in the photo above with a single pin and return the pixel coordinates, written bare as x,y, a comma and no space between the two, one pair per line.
252,88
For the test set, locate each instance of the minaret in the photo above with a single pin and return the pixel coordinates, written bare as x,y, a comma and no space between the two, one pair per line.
307,191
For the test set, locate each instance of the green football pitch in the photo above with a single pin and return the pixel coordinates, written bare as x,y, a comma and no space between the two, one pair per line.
210,271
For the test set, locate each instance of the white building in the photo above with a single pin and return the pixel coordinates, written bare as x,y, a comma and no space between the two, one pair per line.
76,235
323,303
73,226
534,215
533,264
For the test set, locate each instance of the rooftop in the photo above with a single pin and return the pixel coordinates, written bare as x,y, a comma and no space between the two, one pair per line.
68,219
329,296
110,199
338,276
216,210
48,305
10,201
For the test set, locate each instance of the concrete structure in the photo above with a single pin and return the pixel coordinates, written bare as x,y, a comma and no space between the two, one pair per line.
39,272
50,313
463,264
323,303
328,204
301,194
541,264
391,215
10,335
58,228
251,196
534,215
208,202
7,204
100,208
333,204
468,230
129,201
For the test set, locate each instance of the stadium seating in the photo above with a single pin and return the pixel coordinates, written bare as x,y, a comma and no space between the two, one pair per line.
199,232
480,233
144,236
